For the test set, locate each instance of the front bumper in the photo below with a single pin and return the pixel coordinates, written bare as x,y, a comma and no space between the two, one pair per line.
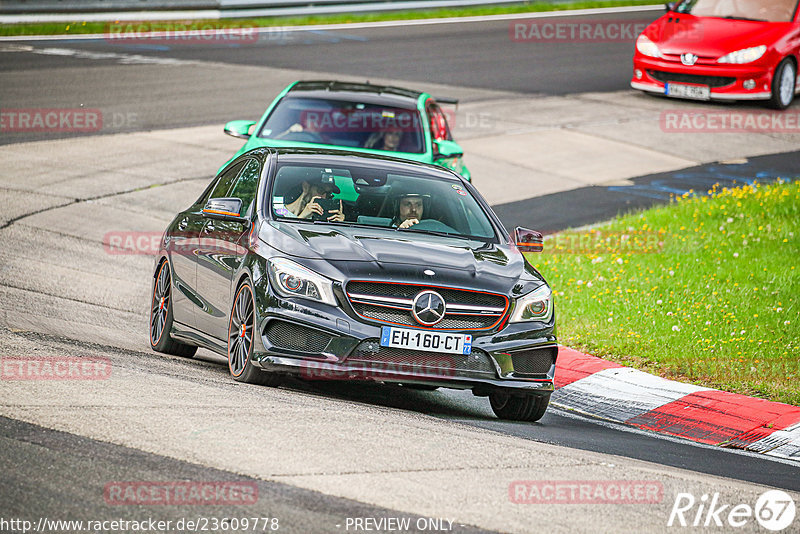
321,342
726,82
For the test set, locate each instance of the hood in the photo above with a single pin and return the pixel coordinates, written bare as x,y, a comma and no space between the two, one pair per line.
366,253
677,33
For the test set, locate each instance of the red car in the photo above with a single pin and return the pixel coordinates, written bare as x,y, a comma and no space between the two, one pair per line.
722,50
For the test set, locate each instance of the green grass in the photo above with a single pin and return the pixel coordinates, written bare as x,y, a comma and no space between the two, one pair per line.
83,27
708,292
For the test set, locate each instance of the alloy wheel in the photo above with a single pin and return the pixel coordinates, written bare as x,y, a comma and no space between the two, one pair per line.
160,305
240,331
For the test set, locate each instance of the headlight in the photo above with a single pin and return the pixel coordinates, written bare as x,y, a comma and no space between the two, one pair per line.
535,306
647,47
290,279
745,55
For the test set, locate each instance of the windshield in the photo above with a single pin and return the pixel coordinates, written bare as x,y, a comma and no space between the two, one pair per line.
370,197
345,124
765,10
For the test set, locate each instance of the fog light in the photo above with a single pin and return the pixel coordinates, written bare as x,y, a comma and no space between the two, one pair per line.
749,84
638,74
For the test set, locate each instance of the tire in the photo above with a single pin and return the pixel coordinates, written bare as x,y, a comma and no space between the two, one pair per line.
519,408
161,316
240,344
783,84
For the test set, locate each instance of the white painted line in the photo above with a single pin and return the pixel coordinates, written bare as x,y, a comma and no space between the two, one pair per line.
619,394
123,59
343,26
782,443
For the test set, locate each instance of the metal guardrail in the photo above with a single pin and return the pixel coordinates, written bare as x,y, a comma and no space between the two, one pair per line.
90,6
277,6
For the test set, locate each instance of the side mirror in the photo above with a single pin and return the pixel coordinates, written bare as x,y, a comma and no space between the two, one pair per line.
225,209
528,240
447,149
240,129
670,6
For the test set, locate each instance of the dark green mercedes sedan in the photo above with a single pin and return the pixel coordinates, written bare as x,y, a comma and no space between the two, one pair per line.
335,265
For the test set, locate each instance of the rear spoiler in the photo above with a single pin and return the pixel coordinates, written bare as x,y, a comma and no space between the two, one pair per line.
446,100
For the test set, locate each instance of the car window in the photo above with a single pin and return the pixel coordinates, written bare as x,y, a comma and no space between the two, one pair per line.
345,124
246,185
222,183
372,197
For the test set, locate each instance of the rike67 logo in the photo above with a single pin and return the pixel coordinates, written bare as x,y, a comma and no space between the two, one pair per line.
774,510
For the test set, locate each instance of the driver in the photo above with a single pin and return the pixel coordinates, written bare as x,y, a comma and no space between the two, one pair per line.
311,128
410,207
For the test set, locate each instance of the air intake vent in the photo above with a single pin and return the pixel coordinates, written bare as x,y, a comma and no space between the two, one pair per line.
533,362
285,335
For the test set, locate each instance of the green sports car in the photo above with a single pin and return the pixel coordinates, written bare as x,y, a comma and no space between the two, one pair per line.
359,117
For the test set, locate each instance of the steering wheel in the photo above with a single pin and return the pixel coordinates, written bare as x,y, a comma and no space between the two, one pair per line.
305,137
432,225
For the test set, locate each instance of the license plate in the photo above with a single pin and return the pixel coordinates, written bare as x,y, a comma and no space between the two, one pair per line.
406,338
682,90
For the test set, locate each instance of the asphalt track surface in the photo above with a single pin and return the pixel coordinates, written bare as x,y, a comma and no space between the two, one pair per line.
478,55
48,467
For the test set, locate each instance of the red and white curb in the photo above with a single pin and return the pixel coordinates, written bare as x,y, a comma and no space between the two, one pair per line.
609,391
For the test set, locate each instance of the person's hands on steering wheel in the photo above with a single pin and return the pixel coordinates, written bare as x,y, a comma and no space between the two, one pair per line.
408,223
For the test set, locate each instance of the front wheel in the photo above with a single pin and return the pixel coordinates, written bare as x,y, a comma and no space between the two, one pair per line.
519,408
783,85
241,334
161,316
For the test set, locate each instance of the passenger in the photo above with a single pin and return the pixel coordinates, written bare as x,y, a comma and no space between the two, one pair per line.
305,205
391,140
386,140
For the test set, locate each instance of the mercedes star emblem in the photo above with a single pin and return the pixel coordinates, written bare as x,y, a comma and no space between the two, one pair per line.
428,308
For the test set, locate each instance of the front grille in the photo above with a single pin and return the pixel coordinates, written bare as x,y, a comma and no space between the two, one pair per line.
285,335
391,303
711,81
422,363
533,362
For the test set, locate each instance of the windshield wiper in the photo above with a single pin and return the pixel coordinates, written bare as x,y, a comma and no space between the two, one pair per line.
733,17
341,223
445,234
